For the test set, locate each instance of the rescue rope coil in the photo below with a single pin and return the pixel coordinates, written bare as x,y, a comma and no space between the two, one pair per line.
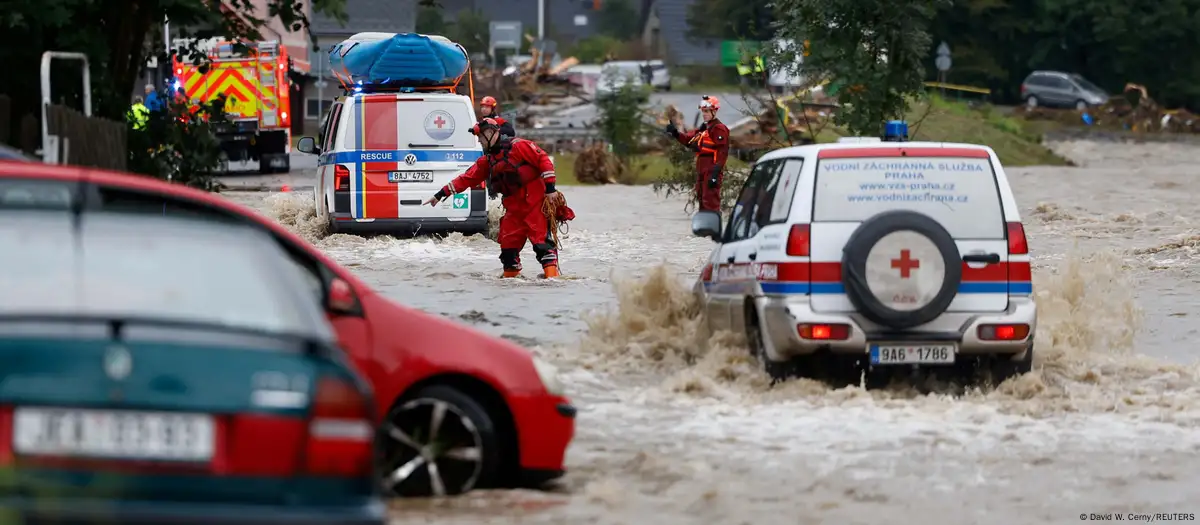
550,210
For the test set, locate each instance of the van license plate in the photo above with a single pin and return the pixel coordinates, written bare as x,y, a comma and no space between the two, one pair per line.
928,354
410,176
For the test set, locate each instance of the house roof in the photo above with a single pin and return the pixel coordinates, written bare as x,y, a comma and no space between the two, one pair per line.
388,16
673,29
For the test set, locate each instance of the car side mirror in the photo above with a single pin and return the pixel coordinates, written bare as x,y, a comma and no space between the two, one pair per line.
308,145
707,224
341,299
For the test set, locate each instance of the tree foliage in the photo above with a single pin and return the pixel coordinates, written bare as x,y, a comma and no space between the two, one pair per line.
620,120
731,19
617,19
178,143
874,49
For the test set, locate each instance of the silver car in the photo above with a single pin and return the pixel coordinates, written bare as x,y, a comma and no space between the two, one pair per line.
1056,89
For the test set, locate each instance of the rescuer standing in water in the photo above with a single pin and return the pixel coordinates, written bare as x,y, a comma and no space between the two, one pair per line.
524,174
711,143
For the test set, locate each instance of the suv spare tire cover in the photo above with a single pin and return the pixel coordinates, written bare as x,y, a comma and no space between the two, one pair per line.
901,269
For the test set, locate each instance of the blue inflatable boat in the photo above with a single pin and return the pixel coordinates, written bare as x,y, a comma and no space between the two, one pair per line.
399,59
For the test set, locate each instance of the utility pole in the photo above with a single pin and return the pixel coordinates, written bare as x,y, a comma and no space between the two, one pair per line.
541,19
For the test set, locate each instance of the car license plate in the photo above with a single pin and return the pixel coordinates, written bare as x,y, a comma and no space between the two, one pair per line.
113,434
927,354
410,176
277,162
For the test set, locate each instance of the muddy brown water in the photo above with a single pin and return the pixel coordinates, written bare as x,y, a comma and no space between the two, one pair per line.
678,428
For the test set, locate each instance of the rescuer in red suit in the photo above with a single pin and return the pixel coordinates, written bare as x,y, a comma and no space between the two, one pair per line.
711,143
487,109
524,174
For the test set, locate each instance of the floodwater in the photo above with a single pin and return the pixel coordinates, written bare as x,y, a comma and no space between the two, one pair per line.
677,428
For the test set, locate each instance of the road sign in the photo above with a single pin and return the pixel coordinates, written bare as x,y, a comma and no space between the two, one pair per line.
943,50
320,84
942,63
504,35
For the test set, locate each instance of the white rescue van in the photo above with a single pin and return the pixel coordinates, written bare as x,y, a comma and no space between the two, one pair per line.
874,256
383,154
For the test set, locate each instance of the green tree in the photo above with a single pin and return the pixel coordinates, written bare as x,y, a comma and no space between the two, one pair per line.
592,50
620,123
431,22
616,20
472,29
731,19
875,49
178,143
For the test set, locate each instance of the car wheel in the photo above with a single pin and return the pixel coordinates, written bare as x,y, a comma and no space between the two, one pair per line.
778,371
438,442
1003,368
1032,101
1081,105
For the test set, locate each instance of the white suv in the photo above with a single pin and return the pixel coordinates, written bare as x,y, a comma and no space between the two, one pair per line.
874,256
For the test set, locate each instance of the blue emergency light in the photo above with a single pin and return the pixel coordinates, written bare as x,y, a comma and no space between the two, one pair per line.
895,131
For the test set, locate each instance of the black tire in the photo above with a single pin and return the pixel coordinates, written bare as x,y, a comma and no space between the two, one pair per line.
854,268
472,432
1002,368
778,371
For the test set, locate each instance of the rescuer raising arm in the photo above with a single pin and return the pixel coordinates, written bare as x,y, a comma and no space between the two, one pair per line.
524,174
711,143
487,109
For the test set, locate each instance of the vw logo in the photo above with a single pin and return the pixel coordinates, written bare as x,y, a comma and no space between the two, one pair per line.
410,159
117,363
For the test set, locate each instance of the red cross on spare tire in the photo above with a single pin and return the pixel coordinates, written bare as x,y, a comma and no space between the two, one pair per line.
901,269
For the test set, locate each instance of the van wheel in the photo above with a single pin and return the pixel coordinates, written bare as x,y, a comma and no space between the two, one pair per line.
438,442
1031,101
1002,368
1081,105
778,371
326,217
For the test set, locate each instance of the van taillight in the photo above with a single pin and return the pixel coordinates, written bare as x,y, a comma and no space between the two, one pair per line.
340,431
706,273
341,178
1016,239
797,243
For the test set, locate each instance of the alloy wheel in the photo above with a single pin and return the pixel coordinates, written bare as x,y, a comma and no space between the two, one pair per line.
431,448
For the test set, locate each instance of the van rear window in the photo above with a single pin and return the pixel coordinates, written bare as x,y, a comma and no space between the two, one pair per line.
960,193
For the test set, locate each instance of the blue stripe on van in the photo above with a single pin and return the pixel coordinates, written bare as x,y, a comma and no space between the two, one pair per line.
802,288
423,155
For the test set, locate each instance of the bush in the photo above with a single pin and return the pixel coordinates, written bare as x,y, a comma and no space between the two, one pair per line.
179,144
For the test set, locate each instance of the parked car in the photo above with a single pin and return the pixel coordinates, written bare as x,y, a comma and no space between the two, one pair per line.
504,420
874,256
616,75
10,153
161,369
1056,89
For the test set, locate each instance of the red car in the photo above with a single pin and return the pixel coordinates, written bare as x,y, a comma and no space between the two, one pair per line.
461,409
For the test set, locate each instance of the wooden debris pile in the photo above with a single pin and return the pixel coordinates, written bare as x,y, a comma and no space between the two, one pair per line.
1132,110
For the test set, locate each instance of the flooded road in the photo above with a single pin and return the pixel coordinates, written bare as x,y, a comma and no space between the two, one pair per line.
678,429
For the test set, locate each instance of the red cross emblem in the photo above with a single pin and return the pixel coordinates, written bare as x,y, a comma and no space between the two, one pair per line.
905,264
439,122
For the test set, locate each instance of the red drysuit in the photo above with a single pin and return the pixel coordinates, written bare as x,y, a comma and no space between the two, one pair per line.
524,174
711,144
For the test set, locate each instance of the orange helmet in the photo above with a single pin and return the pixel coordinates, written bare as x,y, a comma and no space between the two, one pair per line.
710,102
487,123
488,101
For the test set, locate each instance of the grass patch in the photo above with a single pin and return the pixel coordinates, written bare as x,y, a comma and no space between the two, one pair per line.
1015,142
649,168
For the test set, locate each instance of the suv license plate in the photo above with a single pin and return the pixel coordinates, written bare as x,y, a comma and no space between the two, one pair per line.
410,176
927,354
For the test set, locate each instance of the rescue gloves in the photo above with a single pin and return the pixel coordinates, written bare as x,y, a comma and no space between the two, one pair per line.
712,177
672,130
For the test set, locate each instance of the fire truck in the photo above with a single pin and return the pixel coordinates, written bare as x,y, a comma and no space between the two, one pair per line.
254,79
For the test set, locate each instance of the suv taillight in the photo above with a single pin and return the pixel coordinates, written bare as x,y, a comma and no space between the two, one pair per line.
1024,88
341,178
797,243
340,431
1016,239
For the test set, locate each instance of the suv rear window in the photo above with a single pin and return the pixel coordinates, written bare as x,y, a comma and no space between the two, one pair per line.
958,192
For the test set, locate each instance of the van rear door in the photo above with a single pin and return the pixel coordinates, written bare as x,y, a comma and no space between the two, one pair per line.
407,146
954,186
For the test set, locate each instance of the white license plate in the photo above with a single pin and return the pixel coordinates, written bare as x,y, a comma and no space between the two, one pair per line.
113,434
410,176
277,163
927,354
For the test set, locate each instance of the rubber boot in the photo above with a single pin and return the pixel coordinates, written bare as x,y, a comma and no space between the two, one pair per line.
516,272
551,271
